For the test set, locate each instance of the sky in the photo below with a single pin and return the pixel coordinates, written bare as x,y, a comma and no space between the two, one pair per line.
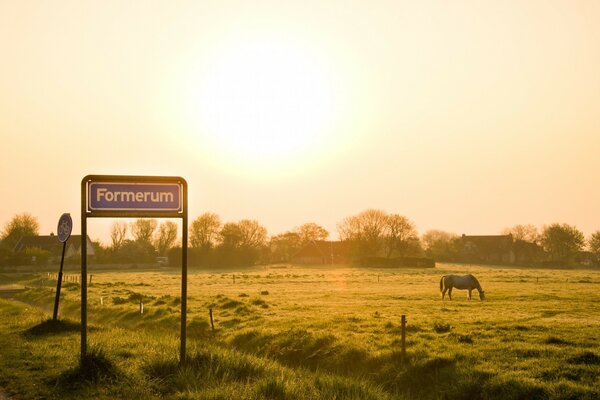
465,116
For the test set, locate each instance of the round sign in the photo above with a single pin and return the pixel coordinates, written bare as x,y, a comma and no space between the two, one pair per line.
65,225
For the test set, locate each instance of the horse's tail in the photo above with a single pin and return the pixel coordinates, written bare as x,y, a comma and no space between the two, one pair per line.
442,283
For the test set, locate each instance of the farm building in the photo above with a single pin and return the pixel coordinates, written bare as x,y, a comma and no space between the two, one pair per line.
51,244
488,249
322,252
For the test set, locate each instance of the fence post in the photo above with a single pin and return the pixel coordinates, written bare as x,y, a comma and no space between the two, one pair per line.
234,279
212,324
403,324
91,276
141,306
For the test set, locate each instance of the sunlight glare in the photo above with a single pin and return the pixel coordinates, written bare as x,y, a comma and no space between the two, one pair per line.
264,104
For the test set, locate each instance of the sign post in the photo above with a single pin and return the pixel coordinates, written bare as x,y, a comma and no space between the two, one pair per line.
65,226
121,196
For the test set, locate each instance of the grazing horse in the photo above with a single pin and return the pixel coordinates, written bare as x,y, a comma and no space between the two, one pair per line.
469,282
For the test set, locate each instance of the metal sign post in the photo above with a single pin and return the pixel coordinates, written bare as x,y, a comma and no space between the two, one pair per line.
121,196
65,226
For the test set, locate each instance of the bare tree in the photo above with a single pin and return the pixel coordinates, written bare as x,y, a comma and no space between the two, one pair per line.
526,233
401,235
252,233
310,232
143,229
165,237
365,230
204,230
19,226
118,233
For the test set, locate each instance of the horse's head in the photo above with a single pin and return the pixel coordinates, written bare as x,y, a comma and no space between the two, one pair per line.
482,295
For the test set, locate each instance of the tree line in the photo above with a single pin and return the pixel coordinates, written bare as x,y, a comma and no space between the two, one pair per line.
371,233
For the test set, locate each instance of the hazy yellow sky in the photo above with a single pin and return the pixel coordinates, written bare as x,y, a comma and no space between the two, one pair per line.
467,116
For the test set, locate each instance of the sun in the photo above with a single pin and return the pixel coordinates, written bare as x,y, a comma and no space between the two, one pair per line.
264,104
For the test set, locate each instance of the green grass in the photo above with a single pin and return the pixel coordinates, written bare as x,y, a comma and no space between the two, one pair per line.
309,333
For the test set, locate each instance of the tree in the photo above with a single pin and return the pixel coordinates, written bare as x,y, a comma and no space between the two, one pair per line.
252,233
241,243
440,245
204,231
284,246
143,229
526,233
311,232
118,234
562,241
401,236
594,244
365,231
165,237
20,225
374,233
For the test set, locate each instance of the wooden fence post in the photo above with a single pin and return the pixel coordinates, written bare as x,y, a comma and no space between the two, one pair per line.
141,306
212,324
403,325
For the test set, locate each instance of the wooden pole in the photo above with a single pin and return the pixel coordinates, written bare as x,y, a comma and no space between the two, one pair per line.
184,277
403,324
212,324
59,283
83,270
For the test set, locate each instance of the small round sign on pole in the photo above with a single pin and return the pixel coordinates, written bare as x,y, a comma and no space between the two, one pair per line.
65,226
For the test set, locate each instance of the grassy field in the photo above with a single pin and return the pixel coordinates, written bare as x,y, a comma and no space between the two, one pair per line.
287,332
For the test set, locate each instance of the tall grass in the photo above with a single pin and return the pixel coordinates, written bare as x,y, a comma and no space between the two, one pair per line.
312,333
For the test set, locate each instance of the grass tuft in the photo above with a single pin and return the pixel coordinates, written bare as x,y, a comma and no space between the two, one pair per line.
94,367
555,340
440,327
587,358
273,388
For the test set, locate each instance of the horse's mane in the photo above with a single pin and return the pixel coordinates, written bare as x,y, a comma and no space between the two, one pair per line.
476,282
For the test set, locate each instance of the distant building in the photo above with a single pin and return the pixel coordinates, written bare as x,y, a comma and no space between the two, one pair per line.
487,249
51,244
322,252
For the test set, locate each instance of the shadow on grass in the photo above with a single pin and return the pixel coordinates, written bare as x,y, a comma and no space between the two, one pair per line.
51,327
94,367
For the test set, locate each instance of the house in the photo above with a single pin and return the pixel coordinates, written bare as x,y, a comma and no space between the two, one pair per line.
487,249
322,252
51,244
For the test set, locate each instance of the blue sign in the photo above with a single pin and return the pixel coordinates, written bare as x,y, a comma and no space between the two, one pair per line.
132,196
65,226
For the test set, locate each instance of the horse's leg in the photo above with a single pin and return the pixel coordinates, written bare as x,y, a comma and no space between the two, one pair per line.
450,293
444,293
470,294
